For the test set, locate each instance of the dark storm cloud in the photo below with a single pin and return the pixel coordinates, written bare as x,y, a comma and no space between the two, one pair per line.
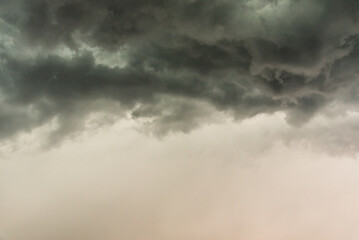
243,57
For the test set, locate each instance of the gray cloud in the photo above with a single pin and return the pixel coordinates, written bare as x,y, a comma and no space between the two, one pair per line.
241,57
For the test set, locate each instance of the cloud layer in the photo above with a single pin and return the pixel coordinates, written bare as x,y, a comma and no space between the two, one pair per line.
173,62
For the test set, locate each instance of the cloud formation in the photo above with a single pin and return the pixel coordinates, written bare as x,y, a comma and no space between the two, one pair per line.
172,61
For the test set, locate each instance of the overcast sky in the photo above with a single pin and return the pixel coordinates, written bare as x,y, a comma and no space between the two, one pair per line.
179,119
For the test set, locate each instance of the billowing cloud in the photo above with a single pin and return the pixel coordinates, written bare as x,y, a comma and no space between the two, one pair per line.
173,62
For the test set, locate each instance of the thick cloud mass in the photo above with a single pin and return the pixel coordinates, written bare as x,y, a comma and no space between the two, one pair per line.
172,61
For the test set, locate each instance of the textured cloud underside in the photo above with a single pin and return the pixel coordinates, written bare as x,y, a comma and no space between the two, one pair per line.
174,62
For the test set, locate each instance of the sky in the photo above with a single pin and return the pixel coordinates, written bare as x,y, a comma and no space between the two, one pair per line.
168,119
